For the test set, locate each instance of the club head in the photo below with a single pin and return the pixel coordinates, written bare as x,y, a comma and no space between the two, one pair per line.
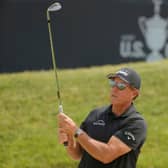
54,7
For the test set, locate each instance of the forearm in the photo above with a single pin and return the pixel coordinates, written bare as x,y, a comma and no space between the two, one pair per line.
74,149
99,150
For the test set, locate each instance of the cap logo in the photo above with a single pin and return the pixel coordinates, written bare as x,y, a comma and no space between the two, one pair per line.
122,72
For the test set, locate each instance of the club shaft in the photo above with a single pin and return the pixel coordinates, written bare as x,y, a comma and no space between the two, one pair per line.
54,60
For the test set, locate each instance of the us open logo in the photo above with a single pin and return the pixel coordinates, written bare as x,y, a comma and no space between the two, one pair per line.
155,34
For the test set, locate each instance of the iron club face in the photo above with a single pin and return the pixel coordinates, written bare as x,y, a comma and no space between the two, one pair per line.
55,7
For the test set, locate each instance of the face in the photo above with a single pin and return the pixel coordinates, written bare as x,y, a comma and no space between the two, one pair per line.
123,93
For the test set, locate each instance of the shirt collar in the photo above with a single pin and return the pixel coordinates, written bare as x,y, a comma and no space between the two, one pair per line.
129,111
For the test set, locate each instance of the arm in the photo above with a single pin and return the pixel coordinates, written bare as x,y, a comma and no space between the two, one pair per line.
104,152
73,149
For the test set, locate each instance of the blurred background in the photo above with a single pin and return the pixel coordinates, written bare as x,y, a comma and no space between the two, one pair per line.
88,33
85,33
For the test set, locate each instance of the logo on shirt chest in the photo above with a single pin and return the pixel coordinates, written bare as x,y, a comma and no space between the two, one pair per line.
99,122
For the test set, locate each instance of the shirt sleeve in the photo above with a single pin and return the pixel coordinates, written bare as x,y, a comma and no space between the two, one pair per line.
133,134
83,126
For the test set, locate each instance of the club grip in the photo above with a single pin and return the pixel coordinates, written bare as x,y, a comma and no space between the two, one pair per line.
60,109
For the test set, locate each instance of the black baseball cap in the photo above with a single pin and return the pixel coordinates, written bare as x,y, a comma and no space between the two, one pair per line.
128,75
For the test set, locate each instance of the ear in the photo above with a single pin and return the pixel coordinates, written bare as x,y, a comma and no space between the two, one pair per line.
135,94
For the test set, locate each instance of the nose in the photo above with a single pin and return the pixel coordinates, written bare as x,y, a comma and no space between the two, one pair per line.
114,89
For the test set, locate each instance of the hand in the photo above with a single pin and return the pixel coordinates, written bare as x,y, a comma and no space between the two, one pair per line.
66,124
62,136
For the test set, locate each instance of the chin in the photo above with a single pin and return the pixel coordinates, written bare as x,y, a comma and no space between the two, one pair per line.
115,102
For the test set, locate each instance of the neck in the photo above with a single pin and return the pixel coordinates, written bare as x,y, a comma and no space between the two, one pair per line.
120,109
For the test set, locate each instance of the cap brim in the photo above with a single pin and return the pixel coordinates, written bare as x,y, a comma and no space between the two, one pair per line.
112,75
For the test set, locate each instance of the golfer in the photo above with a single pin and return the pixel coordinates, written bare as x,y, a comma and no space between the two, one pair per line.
111,136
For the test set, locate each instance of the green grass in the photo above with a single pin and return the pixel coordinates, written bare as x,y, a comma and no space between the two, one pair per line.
28,107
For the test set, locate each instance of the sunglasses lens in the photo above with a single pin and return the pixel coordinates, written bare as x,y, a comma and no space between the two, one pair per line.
121,86
112,83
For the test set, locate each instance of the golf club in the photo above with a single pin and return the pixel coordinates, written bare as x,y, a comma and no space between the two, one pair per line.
55,7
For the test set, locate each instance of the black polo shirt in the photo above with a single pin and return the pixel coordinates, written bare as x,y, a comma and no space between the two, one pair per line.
130,128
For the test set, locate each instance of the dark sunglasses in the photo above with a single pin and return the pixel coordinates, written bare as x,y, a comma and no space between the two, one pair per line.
119,85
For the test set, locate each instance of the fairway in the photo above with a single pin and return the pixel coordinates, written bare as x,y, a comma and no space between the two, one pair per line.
28,125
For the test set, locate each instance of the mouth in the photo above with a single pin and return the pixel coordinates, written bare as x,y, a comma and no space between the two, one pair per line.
113,95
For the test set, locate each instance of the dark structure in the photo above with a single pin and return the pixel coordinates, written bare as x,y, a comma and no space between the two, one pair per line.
86,33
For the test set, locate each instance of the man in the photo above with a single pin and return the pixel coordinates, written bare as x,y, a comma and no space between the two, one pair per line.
111,136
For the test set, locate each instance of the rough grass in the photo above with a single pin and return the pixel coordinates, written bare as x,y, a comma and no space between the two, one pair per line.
28,107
